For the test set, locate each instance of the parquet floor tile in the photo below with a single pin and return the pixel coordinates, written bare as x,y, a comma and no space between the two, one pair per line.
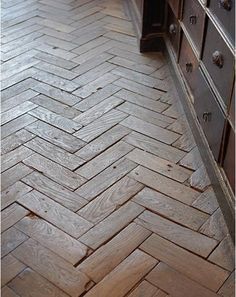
104,192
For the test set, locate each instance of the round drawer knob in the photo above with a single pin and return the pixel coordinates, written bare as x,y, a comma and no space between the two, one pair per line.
193,19
206,116
172,29
189,67
218,59
226,4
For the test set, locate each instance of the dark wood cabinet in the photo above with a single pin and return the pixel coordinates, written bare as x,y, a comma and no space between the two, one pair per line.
149,21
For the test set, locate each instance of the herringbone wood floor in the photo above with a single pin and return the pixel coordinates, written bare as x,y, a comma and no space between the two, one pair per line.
104,191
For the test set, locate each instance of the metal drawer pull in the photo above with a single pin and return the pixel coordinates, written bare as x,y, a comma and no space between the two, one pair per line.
206,116
189,67
218,59
226,4
193,19
172,29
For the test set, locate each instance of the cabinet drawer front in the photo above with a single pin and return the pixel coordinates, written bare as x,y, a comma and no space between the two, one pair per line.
232,109
219,62
193,19
209,115
175,6
189,65
224,11
173,30
229,159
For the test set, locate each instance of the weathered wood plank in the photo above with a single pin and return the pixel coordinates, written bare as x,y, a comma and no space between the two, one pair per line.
164,185
151,130
13,192
106,178
55,191
55,153
110,200
175,283
16,156
111,155
56,136
107,257
101,232
55,171
121,280
52,267
52,238
192,266
154,147
159,165
10,239
184,237
100,125
39,286
103,142
10,267
54,213
171,209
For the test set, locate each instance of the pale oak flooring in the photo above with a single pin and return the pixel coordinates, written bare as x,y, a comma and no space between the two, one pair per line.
104,191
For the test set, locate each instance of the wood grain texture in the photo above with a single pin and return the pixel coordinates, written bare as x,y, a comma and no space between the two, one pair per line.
151,130
53,238
184,237
40,287
110,200
56,136
111,225
105,179
183,261
175,283
55,171
53,190
170,208
159,165
107,257
164,185
10,267
52,267
124,276
53,212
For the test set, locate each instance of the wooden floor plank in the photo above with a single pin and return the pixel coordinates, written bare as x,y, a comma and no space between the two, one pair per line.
105,179
106,258
151,130
53,238
175,283
54,213
111,225
164,185
55,191
56,136
121,280
11,267
55,153
192,266
171,209
52,267
187,238
108,201
40,287
159,165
